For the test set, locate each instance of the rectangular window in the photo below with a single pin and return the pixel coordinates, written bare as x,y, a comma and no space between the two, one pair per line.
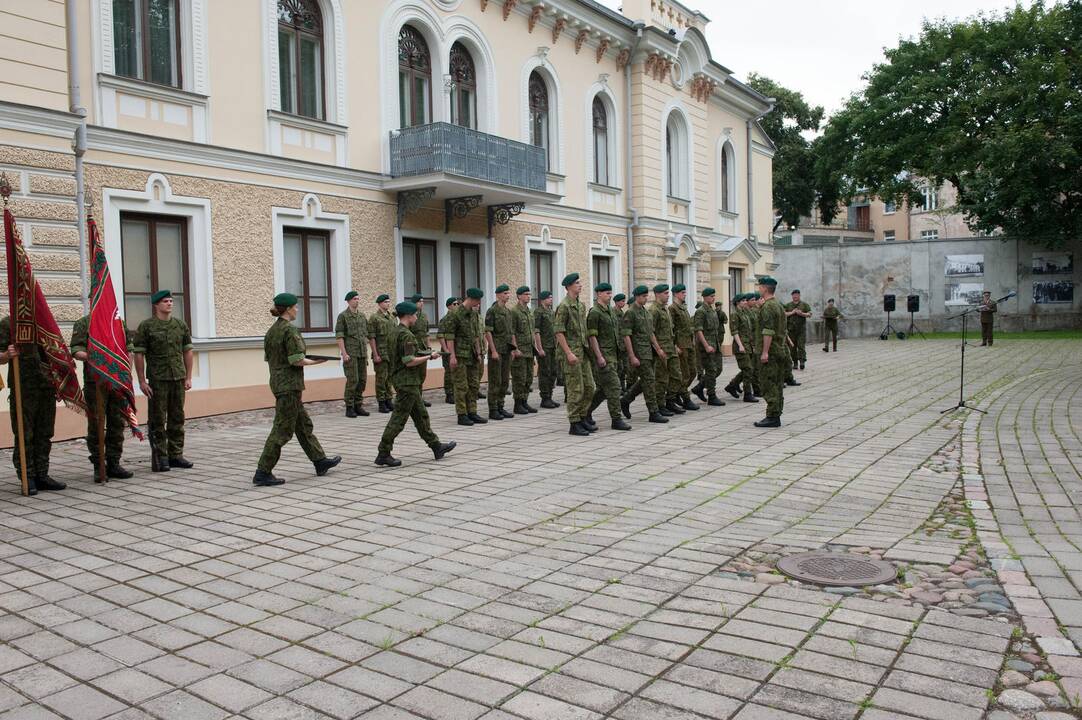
929,234
541,264
931,198
736,283
862,218
679,274
602,269
146,40
888,235
308,276
465,269
419,269
889,207
154,256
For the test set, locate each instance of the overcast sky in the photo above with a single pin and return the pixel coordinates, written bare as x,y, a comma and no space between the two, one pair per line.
819,47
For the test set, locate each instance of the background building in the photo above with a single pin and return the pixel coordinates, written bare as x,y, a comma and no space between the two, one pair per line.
237,149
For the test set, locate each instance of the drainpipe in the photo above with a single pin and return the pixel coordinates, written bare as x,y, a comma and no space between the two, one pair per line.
75,106
632,212
751,205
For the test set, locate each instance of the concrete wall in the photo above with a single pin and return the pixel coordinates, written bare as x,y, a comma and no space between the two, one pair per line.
857,277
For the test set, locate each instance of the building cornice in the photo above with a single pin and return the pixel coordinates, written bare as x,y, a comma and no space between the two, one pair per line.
40,121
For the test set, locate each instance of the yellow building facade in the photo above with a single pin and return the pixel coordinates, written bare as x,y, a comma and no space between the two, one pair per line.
233,150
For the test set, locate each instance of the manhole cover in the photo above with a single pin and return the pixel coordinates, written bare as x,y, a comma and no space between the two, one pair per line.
841,569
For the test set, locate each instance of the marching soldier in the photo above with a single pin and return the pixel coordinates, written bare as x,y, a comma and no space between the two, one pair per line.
605,334
115,422
797,313
351,332
408,357
420,330
545,342
988,314
684,337
619,306
522,355
380,326
39,411
755,304
570,329
708,343
284,351
773,357
163,354
500,340
642,347
445,357
668,364
743,350
462,334
831,314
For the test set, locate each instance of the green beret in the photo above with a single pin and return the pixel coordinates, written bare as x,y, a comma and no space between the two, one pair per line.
707,292
416,298
618,297
502,288
767,280
570,279
795,292
281,299
679,287
381,297
163,294
661,287
450,301
640,290
522,289
405,308
350,295
545,295
475,293
603,287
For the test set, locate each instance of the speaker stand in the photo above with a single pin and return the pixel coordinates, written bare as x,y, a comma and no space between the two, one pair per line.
913,329
890,330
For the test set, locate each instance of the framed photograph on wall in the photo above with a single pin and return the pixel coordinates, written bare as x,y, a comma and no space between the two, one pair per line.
963,265
1053,263
1050,292
963,293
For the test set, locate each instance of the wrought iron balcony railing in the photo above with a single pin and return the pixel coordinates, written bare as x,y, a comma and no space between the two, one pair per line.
443,147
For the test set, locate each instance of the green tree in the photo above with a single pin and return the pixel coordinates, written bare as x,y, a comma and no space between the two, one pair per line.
794,164
992,104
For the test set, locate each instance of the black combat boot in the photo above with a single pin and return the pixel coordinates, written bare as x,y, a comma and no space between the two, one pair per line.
322,466
477,419
732,390
465,420
383,407
715,401
578,429
791,382
548,403
426,403
351,411
390,405
826,349
265,479
449,399
529,408
665,411
359,409
441,449
769,422
46,484
117,471
699,391
802,364
505,414
748,397
625,407
520,408
387,460
657,417
588,423
675,407
495,414
620,424
181,462
689,404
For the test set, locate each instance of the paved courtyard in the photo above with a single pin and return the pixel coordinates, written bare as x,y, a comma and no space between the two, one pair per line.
539,576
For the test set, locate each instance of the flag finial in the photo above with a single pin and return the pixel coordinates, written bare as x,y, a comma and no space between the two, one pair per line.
5,187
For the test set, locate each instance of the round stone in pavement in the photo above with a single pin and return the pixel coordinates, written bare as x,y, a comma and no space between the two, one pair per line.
1019,700
837,569
1053,715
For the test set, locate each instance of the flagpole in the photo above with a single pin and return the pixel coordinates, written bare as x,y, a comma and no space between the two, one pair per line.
99,421
17,389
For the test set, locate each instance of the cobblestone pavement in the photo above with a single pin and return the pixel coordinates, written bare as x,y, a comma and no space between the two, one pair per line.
535,575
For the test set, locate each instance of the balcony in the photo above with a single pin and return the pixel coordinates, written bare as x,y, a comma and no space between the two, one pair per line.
455,161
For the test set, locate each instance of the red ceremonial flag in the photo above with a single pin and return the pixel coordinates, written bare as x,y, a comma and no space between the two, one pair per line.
32,321
107,347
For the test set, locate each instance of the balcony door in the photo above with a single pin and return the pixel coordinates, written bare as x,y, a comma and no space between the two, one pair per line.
542,264
414,79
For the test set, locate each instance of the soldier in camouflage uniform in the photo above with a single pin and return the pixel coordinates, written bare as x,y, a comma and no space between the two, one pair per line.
797,313
545,342
163,353
462,334
115,422
708,345
684,338
755,304
570,329
500,341
351,333
284,351
408,357
830,325
641,346
380,326
668,364
773,356
39,410
605,335
619,306
420,331
743,349
522,355
445,357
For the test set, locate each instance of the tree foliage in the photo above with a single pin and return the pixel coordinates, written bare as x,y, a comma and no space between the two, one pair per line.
992,104
794,166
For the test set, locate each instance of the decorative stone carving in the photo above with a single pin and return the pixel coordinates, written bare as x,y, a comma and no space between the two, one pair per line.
581,39
558,28
603,48
508,6
535,15
623,59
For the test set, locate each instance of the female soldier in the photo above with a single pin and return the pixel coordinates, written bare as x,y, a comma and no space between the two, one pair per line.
283,349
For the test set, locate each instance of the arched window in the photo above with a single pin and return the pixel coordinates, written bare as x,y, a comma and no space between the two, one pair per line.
676,158
464,95
414,79
300,57
539,114
727,169
601,141
146,40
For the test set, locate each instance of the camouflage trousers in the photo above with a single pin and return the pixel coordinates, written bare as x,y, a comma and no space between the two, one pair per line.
623,370
467,379
669,377
799,335
772,376
607,384
579,385
383,379
522,377
39,419
448,378
546,373
689,367
356,370
830,331
115,425
408,405
746,377
711,365
499,377
643,379
290,418
165,410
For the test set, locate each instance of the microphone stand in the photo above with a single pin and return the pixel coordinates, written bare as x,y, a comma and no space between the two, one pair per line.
962,372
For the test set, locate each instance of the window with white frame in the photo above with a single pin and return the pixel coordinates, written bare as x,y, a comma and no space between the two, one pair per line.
679,274
464,87
414,78
465,268
889,207
307,265
888,235
929,234
931,197
419,269
538,94
676,158
602,269
146,40
300,58
727,173
154,249
600,125
542,263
